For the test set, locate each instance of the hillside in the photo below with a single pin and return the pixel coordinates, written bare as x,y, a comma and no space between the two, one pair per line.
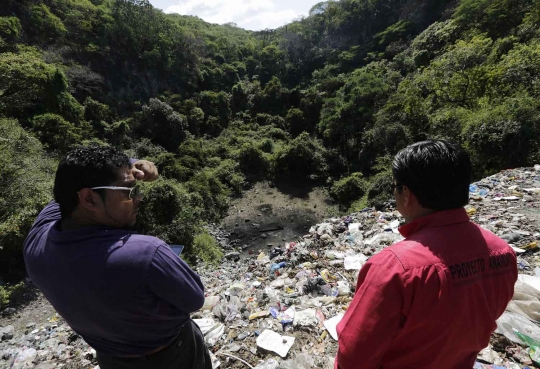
323,101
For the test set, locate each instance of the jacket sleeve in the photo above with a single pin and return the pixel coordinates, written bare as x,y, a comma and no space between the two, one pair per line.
375,316
170,278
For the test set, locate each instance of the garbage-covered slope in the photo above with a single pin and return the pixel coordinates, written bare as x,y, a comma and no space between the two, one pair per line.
277,309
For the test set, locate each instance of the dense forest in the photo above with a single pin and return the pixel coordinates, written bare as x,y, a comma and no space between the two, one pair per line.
326,100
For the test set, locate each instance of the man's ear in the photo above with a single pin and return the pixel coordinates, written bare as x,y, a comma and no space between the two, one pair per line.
89,199
409,198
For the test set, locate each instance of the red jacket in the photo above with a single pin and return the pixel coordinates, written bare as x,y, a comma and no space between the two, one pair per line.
430,301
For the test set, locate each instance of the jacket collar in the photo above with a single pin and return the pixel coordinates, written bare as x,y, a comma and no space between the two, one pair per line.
437,219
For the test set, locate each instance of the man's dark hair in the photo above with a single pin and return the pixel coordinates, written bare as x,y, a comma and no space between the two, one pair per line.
86,167
436,171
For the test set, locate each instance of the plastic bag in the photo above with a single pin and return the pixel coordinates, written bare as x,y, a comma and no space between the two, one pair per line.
344,288
210,302
530,280
269,364
354,262
509,322
24,358
303,361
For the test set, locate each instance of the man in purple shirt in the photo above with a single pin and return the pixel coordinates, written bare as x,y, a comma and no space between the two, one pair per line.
128,295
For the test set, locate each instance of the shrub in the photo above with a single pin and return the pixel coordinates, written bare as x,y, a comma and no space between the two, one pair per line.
209,194
267,145
380,188
56,133
296,122
207,249
162,125
26,177
252,162
170,167
9,293
168,212
349,189
504,136
228,173
303,157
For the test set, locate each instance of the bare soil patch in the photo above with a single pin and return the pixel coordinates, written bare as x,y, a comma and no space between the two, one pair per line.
269,215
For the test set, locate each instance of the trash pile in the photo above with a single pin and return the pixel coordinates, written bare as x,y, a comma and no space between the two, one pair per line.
278,308
45,346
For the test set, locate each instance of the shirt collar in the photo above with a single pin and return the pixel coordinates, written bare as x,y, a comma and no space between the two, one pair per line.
437,219
85,233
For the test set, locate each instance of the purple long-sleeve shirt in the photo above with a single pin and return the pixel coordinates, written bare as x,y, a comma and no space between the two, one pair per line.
124,293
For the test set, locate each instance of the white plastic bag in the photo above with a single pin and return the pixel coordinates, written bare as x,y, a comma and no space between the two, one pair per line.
508,322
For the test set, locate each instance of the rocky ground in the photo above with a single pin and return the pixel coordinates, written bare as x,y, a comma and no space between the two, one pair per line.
278,307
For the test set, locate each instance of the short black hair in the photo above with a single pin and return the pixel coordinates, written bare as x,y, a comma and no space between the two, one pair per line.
438,172
86,167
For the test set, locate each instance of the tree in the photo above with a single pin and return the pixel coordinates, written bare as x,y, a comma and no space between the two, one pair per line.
504,136
45,25
162,124
297,123
10,31
169,213
349,189
26,179
215,105
252,162
28,86
56,133
345,117
271,63
303,157
460,76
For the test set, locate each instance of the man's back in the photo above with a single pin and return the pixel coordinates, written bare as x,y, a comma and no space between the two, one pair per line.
124,293
434,298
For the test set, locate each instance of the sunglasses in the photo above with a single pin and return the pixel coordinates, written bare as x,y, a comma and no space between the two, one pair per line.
134,192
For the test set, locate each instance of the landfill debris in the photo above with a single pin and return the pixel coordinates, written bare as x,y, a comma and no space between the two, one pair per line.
211,330
272,341
210,302
298,290
354,262
331,325
269,364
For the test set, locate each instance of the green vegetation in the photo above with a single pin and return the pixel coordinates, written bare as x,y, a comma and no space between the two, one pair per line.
10,293
327,99
207,248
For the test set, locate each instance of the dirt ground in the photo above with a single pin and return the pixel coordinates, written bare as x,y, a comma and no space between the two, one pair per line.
270,215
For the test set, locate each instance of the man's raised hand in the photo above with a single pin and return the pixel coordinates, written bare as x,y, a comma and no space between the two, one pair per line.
145,170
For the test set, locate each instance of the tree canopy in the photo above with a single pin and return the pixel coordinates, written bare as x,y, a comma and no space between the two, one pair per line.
327,99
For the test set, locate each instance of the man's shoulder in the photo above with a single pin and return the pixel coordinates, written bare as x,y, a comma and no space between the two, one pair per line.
404,251
144,241
386,257
134,249
440,245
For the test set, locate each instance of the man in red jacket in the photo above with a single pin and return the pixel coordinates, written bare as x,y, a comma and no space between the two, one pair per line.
430,301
